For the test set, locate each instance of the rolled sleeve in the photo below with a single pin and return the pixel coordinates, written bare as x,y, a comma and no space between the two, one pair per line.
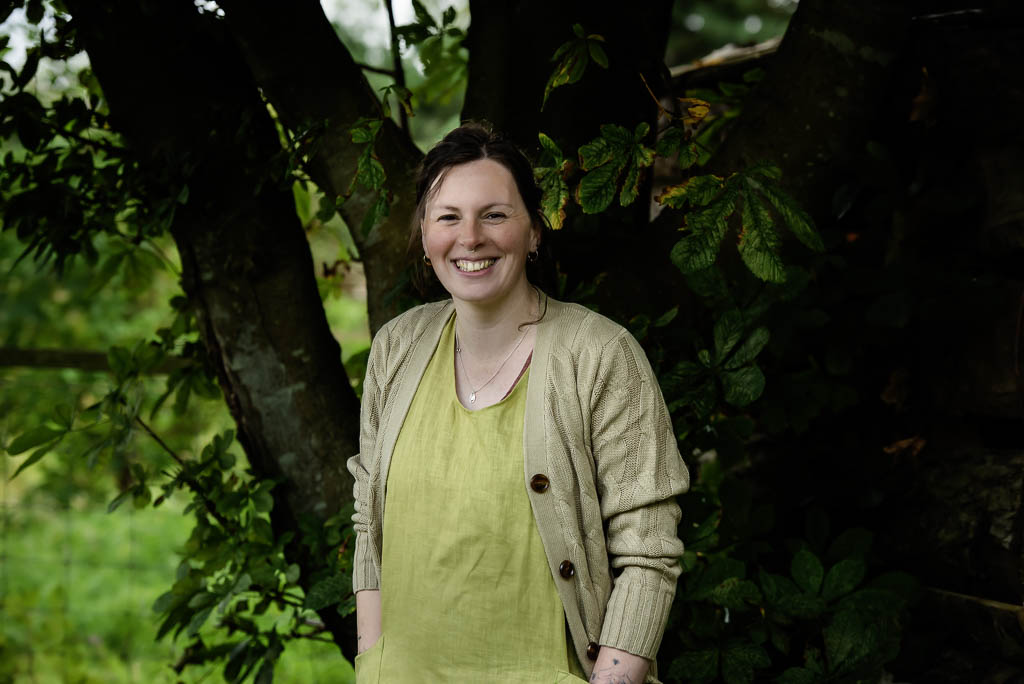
639,473
365,522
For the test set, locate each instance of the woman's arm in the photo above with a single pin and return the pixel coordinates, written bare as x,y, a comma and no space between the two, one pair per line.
367,618
366,557
619,667
639,473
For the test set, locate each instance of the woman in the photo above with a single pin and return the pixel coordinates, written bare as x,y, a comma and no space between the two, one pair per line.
528,460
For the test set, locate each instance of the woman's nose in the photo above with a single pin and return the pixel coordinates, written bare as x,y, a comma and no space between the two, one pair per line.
471,235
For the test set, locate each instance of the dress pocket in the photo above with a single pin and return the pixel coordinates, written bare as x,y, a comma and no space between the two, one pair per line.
563,677
367,663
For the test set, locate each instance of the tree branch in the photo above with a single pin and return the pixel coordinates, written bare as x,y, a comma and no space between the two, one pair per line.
312,80
73,358
396,58
374,69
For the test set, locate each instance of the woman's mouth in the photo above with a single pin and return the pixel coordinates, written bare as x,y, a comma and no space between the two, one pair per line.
468,266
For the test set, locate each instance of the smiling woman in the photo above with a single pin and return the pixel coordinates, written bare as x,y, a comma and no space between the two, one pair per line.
478,234
526,454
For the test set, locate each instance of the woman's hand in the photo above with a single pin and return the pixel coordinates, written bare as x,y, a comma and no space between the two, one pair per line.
619,667
367,618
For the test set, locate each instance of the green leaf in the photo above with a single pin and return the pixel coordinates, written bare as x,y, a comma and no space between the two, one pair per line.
326,592
605,158
197,621
292,574
850,638
243,583
759,243
34,458
595,153
697,191
262,500
670,142
377,212
750,348
727,332
551,147
743,385
736,594
597,189
32,438
369,172
797,220
740,660
666,317
688,156
120,361
422,15
842,578
326,209
707,227
551,180
764,171
597,54
803,606
118,500
798,675
775,587
807,571
694,666
572,58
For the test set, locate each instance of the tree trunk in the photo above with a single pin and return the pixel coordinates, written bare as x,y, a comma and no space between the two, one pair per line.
312,80
184,99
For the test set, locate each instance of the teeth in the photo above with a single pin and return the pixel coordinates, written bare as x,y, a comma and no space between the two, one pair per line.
471,266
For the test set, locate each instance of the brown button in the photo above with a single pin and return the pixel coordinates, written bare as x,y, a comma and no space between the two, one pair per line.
540,483
566,569
592,650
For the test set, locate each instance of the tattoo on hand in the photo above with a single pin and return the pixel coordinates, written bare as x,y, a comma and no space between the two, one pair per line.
607,676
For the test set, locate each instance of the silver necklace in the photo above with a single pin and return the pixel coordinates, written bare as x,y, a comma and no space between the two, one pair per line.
474,390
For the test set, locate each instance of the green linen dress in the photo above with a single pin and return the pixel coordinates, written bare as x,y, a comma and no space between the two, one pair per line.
466,593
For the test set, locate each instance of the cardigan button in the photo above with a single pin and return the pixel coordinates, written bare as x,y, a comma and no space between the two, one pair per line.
540,483
566,569
592,650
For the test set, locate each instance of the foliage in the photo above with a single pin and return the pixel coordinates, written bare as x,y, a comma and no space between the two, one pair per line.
572,58
757,601
753,604
440,50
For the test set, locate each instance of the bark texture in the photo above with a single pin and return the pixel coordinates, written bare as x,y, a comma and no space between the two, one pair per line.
185,102
312,81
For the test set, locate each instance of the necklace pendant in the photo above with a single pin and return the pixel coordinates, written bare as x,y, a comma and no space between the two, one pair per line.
472,398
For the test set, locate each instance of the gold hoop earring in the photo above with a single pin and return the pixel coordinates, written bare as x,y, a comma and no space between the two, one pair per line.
426,259
532,256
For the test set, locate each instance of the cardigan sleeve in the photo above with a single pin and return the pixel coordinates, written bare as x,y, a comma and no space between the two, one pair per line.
366,559
639,473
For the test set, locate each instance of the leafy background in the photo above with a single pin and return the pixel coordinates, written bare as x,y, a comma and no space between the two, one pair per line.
783,579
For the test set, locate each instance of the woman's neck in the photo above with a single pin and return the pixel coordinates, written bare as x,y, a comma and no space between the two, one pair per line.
489,332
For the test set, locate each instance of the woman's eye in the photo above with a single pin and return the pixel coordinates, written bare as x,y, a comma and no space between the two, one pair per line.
447,217
495,216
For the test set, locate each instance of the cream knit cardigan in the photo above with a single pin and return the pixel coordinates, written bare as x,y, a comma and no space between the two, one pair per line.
597,427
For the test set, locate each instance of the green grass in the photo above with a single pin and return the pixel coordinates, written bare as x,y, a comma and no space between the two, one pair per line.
76,589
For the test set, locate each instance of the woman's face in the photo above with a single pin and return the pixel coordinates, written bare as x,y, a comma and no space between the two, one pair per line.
477,233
